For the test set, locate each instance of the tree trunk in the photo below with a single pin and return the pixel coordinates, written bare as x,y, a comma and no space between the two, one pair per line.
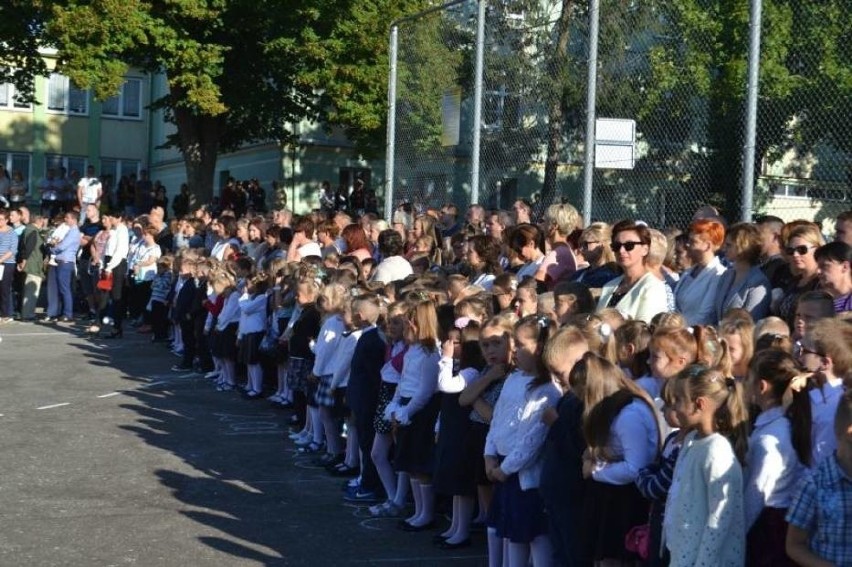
556,109
200,138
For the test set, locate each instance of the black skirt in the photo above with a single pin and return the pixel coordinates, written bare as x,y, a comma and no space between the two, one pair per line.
474,451
611,511
223,344
452,478
386,392
765,541
415,442
517,515
250,348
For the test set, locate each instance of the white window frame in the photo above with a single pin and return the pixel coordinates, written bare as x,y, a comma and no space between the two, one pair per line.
10,100
120,96
66,106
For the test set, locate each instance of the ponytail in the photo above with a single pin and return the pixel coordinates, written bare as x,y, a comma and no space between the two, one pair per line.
541,327
778,368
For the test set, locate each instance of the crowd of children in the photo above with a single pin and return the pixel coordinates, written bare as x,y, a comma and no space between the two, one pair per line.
642,427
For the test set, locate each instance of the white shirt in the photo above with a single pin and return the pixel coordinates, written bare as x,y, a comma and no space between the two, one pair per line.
418,382
823,408
695,295
485,281
230,312
450,383
326,344
517,431
773,468
391,269
704,520
310,249
90,189
389,373
343,358
252,314
529,269
117,247
140,254
634,438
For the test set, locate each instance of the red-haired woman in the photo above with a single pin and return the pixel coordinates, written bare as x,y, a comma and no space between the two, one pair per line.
357,243
695,294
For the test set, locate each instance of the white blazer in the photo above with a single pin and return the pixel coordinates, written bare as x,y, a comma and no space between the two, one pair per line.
644,300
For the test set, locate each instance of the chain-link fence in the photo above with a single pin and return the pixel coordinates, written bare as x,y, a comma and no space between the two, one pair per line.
677,68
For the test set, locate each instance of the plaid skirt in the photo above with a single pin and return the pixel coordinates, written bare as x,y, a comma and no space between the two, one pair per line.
297,373
385,396
323,396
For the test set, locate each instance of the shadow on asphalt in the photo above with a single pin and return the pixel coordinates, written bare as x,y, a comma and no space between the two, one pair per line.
269,505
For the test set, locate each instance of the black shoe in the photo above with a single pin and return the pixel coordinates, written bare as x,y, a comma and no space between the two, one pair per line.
66,320
460,545
344,471
406,527
49,320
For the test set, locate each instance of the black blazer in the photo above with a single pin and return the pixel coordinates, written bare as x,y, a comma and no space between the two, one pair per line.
365,374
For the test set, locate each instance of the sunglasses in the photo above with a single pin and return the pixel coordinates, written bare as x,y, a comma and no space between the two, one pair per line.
800,350
800,250
629,246
587,244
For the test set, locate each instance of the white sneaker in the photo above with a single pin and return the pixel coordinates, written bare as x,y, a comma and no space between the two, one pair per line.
275,398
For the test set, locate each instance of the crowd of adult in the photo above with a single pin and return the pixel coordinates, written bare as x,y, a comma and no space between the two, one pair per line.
601,393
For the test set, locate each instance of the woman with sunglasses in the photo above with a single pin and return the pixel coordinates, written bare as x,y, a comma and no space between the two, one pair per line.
637,294
595,251
799,247
695,293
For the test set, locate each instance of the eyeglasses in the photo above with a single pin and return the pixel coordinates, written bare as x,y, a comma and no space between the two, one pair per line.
629,246
588,244
800,350
800,250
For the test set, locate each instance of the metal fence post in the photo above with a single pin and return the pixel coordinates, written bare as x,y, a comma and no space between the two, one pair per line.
591,96
756,8
391,142
477,102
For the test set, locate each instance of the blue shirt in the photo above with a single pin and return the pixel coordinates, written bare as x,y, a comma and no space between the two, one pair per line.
66,250
823,508
9,243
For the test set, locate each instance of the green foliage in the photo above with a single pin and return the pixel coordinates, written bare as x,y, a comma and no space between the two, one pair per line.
21,34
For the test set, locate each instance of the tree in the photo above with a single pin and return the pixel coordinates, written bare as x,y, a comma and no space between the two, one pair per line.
238,71
22,33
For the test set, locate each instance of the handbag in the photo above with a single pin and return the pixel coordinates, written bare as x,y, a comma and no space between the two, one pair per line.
638,540
105,281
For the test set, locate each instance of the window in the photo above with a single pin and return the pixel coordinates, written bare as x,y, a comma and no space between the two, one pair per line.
9,98
128,102
17,163
74,166
117,168
63,96
500,109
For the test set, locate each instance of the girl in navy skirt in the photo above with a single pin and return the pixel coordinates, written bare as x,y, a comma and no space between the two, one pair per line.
223,335
394,483
301,332
331,304
517,528
452,478
414,409
480,397
779,450
252,327
622,431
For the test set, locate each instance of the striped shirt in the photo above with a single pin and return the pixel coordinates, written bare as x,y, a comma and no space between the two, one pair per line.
9,243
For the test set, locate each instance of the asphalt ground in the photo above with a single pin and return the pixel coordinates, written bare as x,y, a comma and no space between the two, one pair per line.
109,458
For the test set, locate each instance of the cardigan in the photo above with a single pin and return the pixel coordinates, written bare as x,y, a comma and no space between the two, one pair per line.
645,299
754,294
696,293
704,521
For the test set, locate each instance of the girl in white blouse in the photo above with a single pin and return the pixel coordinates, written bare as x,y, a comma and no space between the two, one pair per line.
779,450
704,523
414,410
621,428
513,453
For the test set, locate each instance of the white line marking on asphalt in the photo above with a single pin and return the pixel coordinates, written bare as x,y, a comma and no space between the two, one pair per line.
111,394
157,383
54,406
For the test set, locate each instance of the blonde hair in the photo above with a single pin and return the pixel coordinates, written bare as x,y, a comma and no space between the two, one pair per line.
564,217
425,318
667,320
731,417
833,338
559,342
333,298
600,232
